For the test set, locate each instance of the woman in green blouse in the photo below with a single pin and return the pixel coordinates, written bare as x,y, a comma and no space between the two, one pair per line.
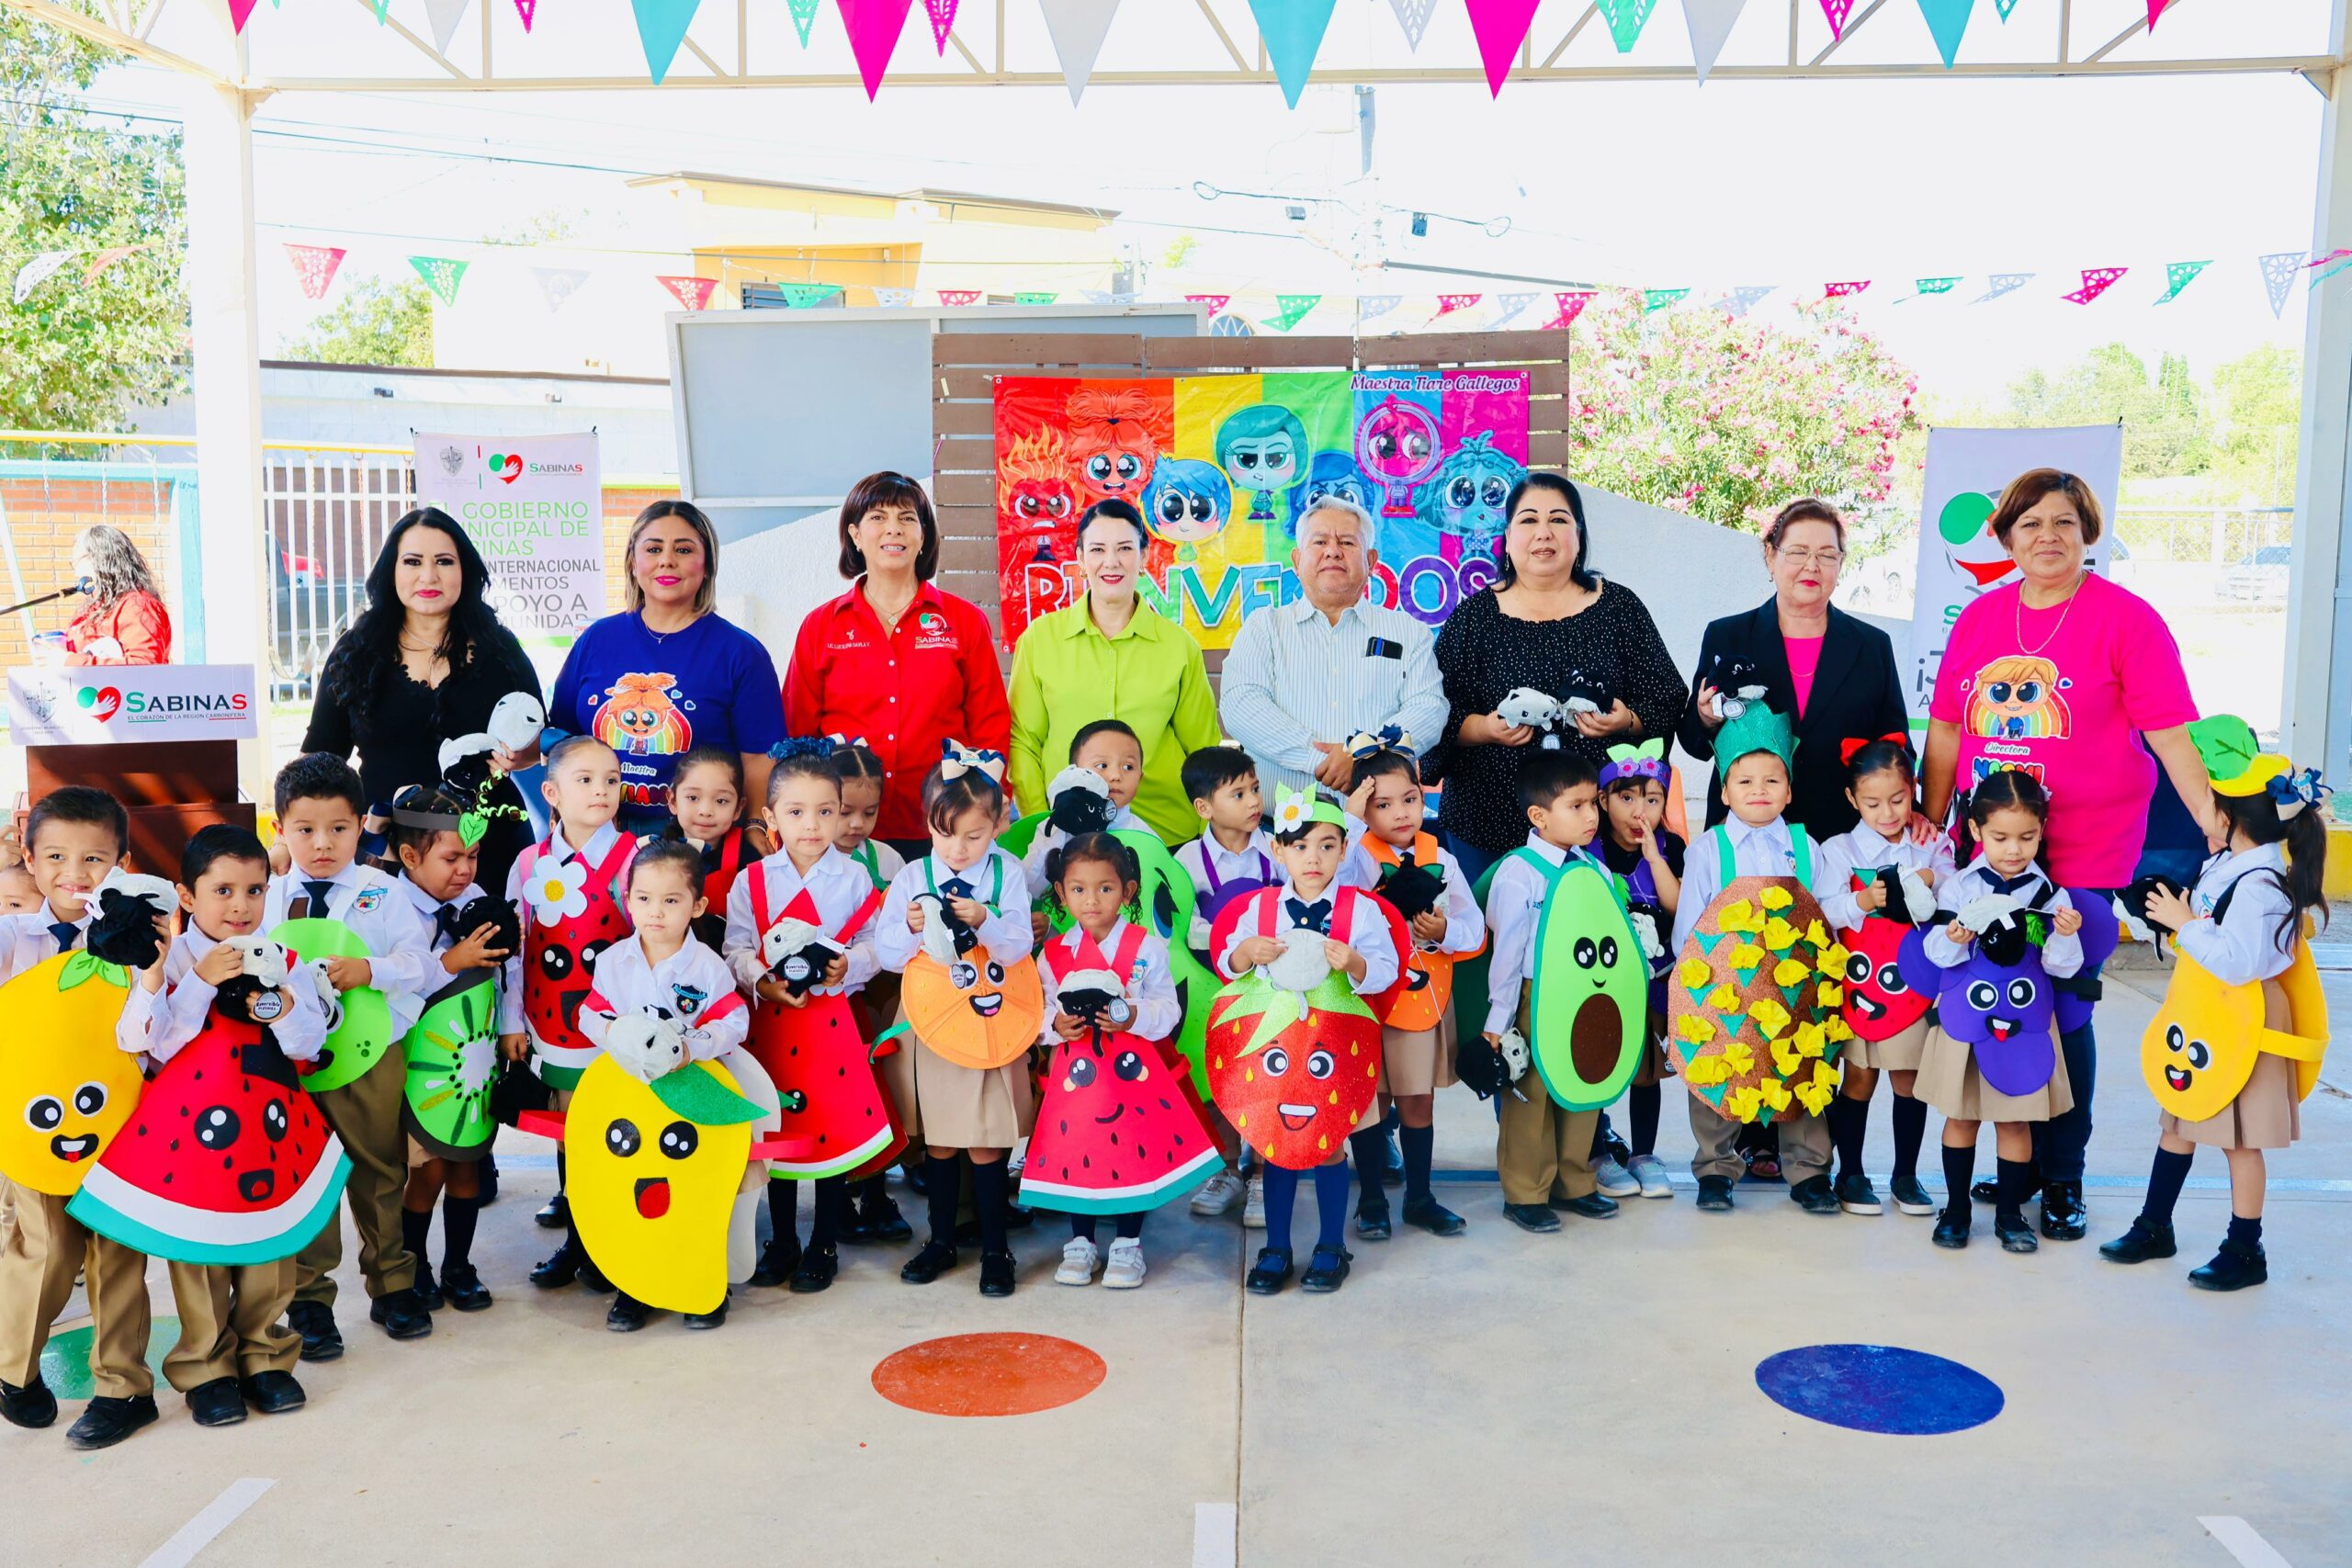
1110,657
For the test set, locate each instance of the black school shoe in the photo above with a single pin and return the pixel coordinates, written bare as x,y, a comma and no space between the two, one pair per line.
2141,1243
996,1273
1857,1196
216,1404
322,1340
1429,1214
105,1421
1911,1197
1536,1217
1715,1194
428,1288
1814,1196
627,1315
1952,1229
876,1219
31,1406
2233,1269
2064,1218
555,1214
817,1266
935,1258
273,1393
2014,1234
462,1288
559,1267
401,1315
1373,1221
1592,1205
1272,1271
1326,1271
715,1318
777,1261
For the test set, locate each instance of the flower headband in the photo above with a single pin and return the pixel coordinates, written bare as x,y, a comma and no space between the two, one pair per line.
1294,809
1365,744
1647,760
1852,744
955,759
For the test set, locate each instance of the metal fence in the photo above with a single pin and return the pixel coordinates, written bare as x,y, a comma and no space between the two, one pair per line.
2207,536
326,510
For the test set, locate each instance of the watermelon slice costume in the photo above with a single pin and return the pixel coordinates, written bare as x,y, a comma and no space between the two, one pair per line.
572,914
823,1068
1117,1134
452,1063
225,1160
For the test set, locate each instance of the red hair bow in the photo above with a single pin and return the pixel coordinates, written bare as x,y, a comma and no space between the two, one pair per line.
1846,749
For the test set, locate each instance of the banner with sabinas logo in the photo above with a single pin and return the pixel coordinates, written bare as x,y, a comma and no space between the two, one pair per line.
534,506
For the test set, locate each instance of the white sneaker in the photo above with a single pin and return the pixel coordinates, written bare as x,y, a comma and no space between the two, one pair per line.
1218,1193
1253,1208
1125,1270
1650,1171
1613,1179
1078,1260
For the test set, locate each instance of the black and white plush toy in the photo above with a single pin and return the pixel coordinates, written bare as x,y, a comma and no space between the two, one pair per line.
2002,928
1414,890
1078,802
123,931
263,968
1737,683
462,922
1096,998
1909,896
944,937
646,1043
799,954
1539,711
1583,694
1490,1069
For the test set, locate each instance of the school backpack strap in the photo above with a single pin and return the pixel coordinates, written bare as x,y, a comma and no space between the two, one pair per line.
866,912
1122,962
1801,847
758,880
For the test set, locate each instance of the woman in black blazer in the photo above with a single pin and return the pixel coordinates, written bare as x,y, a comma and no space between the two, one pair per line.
1855,691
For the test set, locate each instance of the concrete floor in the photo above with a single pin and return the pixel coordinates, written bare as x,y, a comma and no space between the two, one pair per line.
1581,1398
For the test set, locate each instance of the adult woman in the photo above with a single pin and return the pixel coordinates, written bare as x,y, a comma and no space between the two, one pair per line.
1548,622
668,674
1834,676
426,662
894,660
1101,659
2077,681
125,621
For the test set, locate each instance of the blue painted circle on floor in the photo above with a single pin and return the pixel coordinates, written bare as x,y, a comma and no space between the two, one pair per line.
1879,1388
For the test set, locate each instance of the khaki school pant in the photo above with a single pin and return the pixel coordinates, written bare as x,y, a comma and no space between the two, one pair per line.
1805,1144
366,1115
1540,1151
44,1251
229,1325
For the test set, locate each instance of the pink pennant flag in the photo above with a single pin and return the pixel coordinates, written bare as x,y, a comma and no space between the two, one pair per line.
1449,303
693,293
2155,9
106,259
874,29
1216,302
942,20
315,264
527,8
2097,280
1838,11
1502,26
959,295
1572,304
1847,289
2331,256
238,11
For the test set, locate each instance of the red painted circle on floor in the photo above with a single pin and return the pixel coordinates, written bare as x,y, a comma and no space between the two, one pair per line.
988,1375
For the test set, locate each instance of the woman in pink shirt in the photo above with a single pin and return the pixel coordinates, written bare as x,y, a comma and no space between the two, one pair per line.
2078,681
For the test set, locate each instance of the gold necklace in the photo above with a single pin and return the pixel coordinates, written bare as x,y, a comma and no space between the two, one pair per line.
2035,652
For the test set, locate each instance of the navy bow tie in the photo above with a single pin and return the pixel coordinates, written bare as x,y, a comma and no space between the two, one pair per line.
2009,886
1315,916
955,887
66,933
318,892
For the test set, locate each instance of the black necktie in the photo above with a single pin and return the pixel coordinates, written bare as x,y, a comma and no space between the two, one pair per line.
1315,916
444,921
2010,885
318,892
66,933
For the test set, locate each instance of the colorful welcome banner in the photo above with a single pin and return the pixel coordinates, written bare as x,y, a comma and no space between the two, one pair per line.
1223,467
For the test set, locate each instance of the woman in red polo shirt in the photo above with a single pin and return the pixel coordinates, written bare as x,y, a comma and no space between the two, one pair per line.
895,660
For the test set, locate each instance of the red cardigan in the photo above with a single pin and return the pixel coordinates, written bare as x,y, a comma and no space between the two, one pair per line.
933,677
137,621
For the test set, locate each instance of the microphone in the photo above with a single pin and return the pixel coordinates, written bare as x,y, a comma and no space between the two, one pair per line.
79,585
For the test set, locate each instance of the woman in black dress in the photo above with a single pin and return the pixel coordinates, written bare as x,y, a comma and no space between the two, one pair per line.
424,663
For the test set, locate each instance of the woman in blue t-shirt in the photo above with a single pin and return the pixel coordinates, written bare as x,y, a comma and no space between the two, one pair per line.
668,674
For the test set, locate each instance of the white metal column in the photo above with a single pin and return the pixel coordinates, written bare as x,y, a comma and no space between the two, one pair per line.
2319,608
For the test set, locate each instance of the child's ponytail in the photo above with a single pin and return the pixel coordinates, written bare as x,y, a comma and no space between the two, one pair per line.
2306,842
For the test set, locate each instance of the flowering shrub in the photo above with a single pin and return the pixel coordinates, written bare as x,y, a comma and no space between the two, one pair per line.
1730,418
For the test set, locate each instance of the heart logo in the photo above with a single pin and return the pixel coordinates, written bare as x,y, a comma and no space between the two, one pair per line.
506,466
104,702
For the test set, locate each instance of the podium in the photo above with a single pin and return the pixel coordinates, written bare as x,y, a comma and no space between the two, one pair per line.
161,739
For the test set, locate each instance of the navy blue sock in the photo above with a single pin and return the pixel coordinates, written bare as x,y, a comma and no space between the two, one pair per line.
1368,1151
943,1193
1910,1131
2245,1232
1330,1206
784,1210
1280,1190
1082,1225
1131,1226
1641,1106
2166,1178
457,1219
1960,1169
1850,1119
2013,1179
830,1199
990,1188
1420,1145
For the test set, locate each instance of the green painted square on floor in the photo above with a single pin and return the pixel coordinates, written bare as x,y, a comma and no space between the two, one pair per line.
65,1360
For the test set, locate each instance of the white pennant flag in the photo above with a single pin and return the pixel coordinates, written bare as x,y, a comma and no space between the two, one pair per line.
1741,301
1413,15
1371,306
35,272
2278,271
558,284
2004,283
1711,23
894,297
445,15
1095,296
1510,305
1078,28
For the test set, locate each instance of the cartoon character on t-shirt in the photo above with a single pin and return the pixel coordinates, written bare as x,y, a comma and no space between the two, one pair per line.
642,719
2018,698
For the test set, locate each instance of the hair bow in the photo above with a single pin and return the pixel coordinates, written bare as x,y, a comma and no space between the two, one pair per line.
1367,743
1626,760
848,742
1848,747
2291,792
955,759
817,746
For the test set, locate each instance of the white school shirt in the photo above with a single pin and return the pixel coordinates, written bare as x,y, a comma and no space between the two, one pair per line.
1465,927
1514,906
2241,947
887,862
1005,933
26,939
2062,956
1151,989
1049,837
1294,676
400,945
160,1023
555,851
1836,860
837,885
1767,851
693,987
1367,932
428,909
1254,860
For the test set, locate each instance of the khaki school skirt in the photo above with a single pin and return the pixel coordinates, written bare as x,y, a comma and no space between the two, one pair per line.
1897,1052
1949,1082
2266,1114
965,1108
1418,1061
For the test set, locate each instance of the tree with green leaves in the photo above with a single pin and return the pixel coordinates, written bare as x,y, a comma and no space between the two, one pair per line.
375,322
80,350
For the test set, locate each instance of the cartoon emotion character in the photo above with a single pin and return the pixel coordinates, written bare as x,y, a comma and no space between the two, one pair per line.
1294,1072
640,717
1336,474
1111,442
2000,1002
652,1171
1188,504
1590,1002
1396,443
2017,698
1464,500
2200,1050
65,1088
1034,503
1263,448
1881,1002
974,1011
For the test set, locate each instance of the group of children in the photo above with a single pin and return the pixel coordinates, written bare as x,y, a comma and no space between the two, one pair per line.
751,935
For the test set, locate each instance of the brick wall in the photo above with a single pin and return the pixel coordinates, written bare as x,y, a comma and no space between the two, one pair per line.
43,515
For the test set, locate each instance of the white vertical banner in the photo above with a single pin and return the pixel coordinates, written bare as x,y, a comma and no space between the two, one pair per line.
1959,556
534,506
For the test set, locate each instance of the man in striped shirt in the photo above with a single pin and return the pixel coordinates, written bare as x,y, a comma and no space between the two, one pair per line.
1302,677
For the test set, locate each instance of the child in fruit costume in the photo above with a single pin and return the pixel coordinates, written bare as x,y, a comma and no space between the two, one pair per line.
1395,856
1636,844
1754,752
2006,813
957,924
874,1215
1231,858
567,888
708,810
800,940
473,940
232,1351
1117,1132
2238,1043
1109,750
1356,944
1877,884
320,803
661,999
73,837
